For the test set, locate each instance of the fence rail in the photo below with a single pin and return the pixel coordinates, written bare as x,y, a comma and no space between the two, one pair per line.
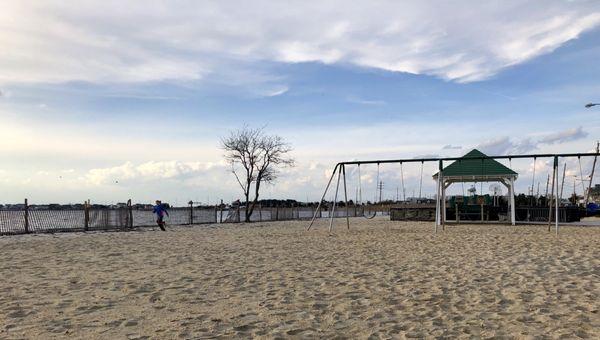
26,220
266,214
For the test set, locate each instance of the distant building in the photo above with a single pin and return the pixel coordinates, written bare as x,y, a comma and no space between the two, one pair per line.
595,193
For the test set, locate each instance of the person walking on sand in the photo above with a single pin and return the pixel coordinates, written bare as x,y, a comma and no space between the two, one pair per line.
160,210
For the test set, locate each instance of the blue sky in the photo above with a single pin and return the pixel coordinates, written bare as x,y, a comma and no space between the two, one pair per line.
105,101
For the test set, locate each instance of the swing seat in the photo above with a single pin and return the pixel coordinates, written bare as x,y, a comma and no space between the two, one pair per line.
374,213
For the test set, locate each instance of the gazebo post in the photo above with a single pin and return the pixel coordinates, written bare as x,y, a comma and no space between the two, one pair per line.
512,201
446,186
443,205
460,171
437,203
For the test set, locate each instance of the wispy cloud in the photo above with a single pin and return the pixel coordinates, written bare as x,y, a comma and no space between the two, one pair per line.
358,100
451,147
564,136
140,96
505,145
107,41
276,91
5,94
429,155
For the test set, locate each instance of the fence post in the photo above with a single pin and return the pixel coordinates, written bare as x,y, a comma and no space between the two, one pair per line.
277,212
216,214
260,212
86,216
26,217
130,213
191,203
238,214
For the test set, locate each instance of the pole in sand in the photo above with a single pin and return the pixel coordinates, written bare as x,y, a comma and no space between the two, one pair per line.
438,203
557,201
346,197
337,187
554,176
318,210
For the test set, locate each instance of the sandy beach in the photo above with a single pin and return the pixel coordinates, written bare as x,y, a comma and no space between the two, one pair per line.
381,279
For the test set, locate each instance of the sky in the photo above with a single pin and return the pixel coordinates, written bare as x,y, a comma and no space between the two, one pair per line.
106,100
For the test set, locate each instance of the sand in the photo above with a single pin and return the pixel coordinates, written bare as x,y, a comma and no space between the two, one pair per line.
381,279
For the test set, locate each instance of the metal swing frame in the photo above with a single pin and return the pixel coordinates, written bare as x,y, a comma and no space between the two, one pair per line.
340,170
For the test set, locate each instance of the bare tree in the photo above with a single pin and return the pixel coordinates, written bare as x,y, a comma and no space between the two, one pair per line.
255,158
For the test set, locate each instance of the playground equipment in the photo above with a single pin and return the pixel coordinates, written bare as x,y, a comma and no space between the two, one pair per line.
340,170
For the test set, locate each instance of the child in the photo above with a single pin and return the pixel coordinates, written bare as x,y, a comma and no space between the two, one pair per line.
160,210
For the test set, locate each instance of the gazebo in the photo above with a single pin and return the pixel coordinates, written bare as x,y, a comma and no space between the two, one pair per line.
473,168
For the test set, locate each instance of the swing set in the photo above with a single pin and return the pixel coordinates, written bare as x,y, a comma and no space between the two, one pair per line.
374,213
340,171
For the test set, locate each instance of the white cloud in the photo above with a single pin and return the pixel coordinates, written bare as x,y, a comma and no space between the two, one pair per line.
496,146
112,41
276,92
174,179
505,145
564,136
149,171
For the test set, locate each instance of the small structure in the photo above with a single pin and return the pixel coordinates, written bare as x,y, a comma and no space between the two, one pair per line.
475,166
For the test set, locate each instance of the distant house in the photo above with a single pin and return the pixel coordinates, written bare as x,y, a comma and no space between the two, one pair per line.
595,193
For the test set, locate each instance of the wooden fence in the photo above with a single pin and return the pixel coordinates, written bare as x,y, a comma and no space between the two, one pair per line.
278,213
26,220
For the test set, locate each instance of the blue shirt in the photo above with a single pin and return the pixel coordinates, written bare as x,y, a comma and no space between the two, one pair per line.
160,210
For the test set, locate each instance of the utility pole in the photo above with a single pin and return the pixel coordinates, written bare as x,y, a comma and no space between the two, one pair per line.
587,196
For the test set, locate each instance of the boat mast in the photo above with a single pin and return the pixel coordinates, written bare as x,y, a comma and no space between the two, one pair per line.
587,197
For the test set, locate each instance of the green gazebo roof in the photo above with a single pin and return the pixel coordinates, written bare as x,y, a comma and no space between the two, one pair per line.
487,167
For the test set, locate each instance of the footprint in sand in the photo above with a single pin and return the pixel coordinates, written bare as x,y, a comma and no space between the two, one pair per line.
131,323
19,313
